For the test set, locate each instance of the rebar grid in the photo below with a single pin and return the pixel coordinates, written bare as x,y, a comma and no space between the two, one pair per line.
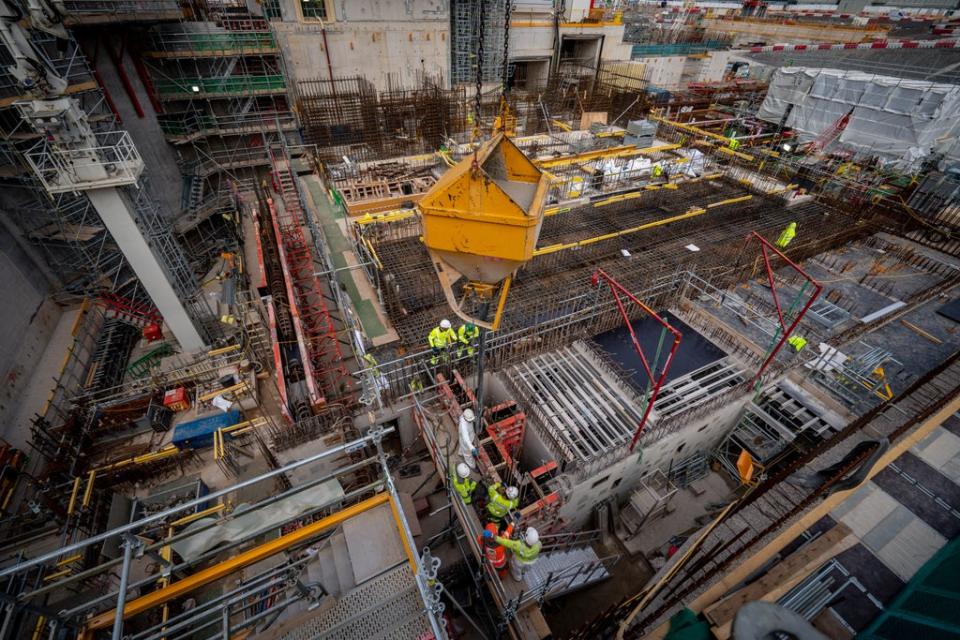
349,117
542,288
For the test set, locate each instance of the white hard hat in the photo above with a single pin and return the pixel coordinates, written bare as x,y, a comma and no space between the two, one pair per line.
444,324
512,493
531,536
468,415
463,470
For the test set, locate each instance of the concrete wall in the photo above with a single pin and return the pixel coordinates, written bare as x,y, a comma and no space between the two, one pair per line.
378,39
664,71
28,319
701,435
383,39
159,156
714,66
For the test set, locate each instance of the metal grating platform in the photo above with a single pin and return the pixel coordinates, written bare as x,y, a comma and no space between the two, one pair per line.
565,570
386,607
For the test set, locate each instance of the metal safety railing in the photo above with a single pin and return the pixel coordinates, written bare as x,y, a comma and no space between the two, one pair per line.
212,42
151,537
192,122
114,161
119,7
182,88
565,580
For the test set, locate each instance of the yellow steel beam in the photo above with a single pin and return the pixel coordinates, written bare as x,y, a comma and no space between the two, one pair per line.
373,253
721,203
58,574
387,216
612,152
223,350
608,236
73,496
196,516
88,492
649,225
238,388
69,559
690,129
395,510
222,569
153,456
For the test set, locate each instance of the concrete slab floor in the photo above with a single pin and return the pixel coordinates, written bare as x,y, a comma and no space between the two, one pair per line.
568,613
916,353
685,508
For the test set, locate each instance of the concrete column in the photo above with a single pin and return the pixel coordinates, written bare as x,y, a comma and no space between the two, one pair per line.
128,236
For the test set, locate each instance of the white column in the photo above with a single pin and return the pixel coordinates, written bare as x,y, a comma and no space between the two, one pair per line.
119,220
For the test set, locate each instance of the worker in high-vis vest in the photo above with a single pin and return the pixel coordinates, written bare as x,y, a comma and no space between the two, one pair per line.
441,337
525,552
787,235
495,554
498,504
797,342
467,336
463,484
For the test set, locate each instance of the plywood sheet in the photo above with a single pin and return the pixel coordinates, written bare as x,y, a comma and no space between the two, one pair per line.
373,542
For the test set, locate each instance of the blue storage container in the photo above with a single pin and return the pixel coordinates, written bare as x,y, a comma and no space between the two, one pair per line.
198,434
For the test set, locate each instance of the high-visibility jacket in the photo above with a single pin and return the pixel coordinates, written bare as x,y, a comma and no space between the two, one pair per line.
523,552
494,553
797,342
440,338
499,505
465,487
788,234
466,336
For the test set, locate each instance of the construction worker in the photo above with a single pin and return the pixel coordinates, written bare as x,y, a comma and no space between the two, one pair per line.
468,450
467,335
440,338
525,552
797,342
463,484
498,505
788,234
496,555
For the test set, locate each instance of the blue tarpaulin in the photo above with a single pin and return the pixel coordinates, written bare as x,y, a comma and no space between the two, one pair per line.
198,434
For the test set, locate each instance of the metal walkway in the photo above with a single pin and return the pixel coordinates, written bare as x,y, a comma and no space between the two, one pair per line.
387,607
559,572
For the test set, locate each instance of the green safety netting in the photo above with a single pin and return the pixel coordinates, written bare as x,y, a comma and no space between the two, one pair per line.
233,84
928,607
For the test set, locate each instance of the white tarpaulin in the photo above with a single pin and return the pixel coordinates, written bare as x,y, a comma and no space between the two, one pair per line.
243,524
895,119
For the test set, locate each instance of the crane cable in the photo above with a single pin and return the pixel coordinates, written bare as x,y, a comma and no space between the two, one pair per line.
505,89
475,165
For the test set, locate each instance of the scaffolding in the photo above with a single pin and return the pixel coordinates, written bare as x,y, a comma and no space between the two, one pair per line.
325,504
465,18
